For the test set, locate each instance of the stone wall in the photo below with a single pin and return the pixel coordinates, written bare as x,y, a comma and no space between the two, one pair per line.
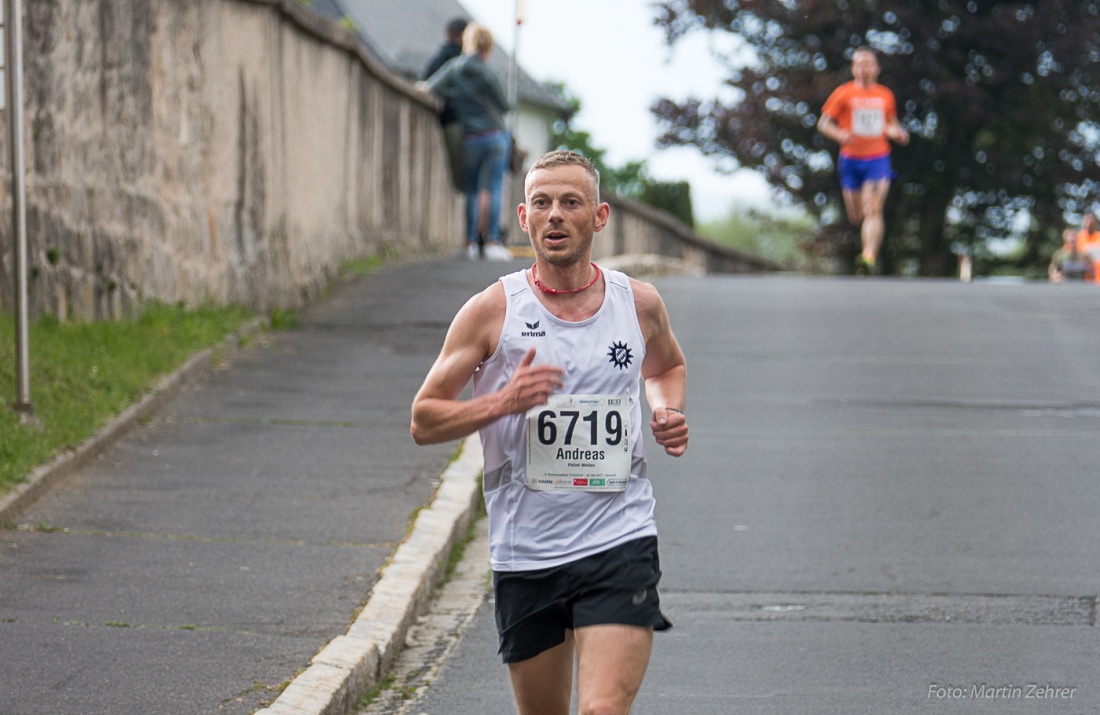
638,229
214,150
235,151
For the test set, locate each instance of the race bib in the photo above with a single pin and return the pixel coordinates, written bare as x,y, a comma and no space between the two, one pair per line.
868,121
579,443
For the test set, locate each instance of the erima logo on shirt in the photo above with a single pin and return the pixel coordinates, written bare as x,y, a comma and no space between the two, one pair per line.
532,330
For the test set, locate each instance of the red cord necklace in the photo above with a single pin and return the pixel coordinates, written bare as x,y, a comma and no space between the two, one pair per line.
555,291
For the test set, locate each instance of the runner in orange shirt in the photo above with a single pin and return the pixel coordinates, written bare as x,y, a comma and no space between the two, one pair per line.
1088,244
1068,263
861,116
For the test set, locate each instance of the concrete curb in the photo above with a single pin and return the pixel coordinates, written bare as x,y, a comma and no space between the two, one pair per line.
353,663
46,477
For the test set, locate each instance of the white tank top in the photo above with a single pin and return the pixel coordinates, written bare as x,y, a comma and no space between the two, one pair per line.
602,355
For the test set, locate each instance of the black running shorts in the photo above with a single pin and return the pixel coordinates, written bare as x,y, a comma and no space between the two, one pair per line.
617,586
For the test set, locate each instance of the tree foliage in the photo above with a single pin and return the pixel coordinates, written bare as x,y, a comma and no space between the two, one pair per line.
632,179
1002,100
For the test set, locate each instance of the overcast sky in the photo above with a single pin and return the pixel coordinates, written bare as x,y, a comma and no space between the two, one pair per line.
611,55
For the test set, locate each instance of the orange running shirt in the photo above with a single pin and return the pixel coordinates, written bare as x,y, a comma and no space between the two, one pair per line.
1087,242
865,113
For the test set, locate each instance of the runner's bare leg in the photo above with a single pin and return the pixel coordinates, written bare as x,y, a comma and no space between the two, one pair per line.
853,205
612,661
873,203
543,685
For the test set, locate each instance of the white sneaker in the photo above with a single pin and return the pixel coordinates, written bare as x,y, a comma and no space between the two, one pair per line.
473,253
497,252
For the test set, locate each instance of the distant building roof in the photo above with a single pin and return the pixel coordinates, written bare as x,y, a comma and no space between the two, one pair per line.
404,35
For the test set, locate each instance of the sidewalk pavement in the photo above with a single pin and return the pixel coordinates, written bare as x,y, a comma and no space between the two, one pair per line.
245,546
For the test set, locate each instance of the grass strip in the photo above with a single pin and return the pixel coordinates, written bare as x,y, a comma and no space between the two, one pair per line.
84,373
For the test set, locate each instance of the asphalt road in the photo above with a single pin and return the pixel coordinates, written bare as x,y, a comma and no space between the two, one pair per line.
889,505
199,564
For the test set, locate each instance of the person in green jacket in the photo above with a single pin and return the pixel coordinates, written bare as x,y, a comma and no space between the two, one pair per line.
478,99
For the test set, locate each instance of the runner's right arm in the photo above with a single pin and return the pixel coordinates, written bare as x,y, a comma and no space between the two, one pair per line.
829,128
438,415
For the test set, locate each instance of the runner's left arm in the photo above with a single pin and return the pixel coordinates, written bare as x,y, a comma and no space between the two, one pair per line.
664,371
896,133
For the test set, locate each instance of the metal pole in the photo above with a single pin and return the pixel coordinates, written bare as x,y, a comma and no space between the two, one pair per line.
513,73
13,19
513,69
514,196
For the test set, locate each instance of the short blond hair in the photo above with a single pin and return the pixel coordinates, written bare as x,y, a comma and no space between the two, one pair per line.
567,157
476,39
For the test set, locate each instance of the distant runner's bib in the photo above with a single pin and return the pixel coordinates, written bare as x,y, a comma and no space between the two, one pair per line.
868,121
579,443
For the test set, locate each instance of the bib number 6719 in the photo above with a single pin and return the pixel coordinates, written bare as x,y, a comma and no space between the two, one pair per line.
548,424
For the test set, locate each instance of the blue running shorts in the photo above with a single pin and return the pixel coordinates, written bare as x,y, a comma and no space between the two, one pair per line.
854,173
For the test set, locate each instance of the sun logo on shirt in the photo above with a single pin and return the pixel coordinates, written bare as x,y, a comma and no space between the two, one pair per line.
620,355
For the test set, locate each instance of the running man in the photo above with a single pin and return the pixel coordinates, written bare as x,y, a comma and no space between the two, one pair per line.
557,354
1088,245
861,116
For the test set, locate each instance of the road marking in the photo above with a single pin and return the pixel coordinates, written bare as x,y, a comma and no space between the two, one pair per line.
958,609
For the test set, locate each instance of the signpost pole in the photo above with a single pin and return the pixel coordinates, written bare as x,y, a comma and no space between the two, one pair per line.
13,71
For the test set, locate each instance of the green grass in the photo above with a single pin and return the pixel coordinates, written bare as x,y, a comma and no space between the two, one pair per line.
365,265
284,319
361,266
83,374
380,687
458,551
